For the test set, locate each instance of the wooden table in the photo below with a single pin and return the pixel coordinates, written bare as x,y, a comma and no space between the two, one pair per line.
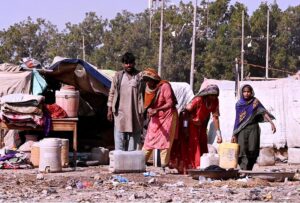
63,124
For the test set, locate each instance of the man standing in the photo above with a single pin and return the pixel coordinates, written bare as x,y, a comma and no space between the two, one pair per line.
125,105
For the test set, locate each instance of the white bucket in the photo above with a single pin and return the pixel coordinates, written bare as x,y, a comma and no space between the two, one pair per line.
50,155
68,100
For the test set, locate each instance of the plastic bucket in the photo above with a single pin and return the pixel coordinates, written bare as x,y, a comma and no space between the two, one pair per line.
69,101
50,155
228,153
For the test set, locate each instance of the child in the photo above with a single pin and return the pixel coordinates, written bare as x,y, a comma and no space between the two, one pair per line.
249,112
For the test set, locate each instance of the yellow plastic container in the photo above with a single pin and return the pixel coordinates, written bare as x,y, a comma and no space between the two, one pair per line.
228,153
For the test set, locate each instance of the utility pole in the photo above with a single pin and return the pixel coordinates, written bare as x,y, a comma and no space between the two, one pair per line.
237,79
83,48
267,47
150,24
193,47
242,47
161,37
150,7
207,19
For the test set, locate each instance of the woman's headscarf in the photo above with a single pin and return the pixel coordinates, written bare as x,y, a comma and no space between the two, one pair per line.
247,110
249,87
151,94
151,73
211,89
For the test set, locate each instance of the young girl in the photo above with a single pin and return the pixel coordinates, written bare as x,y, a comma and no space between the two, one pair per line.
249,112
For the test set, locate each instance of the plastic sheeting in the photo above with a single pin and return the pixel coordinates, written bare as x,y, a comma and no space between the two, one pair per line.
280,97
38,83
79,73
183,93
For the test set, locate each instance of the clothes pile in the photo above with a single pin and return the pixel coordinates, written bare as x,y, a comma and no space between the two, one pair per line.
28,63
14,160
22,110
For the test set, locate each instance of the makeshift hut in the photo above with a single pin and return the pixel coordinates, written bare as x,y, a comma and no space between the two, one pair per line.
93,85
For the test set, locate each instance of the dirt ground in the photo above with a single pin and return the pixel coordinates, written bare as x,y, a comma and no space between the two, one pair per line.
96,184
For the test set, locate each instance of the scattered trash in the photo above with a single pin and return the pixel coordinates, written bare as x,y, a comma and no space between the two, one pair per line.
152,180
79,185
203,179
139,196
245,180
132,197
97,177
87,184
177,184
40,176
84,184
45,192
120,179
98,182
149,174
268,197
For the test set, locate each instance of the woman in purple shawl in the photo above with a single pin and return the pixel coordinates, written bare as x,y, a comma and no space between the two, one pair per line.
249,112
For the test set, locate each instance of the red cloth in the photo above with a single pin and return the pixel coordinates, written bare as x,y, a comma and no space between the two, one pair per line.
56,111
192,141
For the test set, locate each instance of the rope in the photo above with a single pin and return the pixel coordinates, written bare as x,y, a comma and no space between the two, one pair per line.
263,67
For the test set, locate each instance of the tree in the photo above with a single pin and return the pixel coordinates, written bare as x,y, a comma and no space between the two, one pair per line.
223,41
287,42
27,38
92,29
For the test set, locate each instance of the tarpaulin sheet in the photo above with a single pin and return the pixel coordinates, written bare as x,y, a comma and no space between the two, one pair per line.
80,74
12,80
280,97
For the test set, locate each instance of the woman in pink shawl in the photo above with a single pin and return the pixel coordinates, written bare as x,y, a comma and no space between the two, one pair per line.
160,103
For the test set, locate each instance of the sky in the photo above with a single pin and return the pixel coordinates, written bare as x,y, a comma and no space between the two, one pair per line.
59,12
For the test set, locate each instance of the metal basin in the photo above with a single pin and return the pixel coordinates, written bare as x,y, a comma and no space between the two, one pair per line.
270,176
213,174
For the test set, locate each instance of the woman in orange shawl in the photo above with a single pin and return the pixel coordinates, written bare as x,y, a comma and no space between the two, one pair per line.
192,136
160,103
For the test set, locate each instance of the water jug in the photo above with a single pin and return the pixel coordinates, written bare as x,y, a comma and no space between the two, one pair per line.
127,161
228,153
68,100
50,155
